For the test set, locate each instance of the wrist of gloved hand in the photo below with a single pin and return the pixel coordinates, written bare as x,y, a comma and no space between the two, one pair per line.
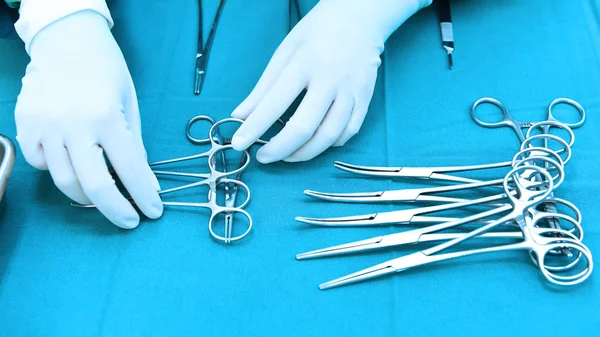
64,38
383,17
35,15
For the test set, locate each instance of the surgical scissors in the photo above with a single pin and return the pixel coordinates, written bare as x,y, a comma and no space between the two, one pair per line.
508,121
534,240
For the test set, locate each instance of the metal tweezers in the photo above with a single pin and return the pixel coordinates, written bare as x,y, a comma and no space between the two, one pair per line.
203,51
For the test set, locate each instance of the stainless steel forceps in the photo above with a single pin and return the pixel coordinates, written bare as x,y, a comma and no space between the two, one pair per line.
203,51
508,120
539,241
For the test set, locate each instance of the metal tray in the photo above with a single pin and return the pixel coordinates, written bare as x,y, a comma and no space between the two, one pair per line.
7,160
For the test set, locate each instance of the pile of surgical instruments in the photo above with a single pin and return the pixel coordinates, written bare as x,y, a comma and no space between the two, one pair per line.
218,157
519,207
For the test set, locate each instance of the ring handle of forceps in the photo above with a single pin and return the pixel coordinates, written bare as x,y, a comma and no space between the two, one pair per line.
207,140
545,126
571,102
228,210
569,235
560,243
514,175
188,129
507,119
218,175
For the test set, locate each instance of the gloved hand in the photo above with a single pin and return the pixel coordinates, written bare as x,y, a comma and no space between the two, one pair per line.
333,52
77,103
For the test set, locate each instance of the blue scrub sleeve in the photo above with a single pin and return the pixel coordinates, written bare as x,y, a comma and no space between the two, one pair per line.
8,17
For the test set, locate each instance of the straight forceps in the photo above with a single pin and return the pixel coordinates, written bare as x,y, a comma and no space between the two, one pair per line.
203,51
540,243
211,179
217,140
429,234
215,177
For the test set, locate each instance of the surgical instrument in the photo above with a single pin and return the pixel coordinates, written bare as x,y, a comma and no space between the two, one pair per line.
428,234
517,126
545,125
7,161
446,30
423,194
415,215
203,51
442,172
212,179
534,240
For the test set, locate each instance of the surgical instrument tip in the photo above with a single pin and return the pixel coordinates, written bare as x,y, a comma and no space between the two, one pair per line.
365,170
360,220
198,81
357,246
450,62
346,197
363,275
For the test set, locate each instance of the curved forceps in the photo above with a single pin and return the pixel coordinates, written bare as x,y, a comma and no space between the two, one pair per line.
517,126
539,244
416,215
443,173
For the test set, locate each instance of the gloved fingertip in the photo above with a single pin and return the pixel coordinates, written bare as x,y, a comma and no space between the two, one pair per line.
237,114
239,142
264,158
240,112
129,222
155,210
35,158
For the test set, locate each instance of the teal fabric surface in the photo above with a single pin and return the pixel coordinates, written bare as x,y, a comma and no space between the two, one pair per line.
68,272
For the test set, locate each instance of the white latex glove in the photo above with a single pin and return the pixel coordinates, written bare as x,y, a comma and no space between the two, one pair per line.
77,103
334,53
